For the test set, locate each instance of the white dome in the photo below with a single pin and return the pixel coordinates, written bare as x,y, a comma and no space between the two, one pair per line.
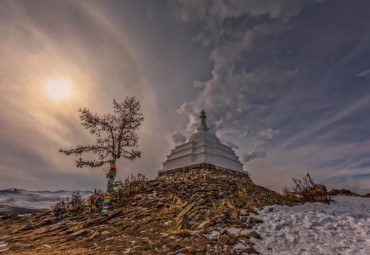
202,147
200,135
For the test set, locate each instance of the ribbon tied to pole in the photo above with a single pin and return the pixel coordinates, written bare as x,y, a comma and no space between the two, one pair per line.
109,193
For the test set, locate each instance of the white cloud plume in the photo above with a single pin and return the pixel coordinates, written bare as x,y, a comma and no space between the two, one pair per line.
258,150
235,95
268,133
175,138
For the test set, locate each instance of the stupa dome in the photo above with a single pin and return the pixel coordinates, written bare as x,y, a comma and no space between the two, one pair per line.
202,147
202,131
200,135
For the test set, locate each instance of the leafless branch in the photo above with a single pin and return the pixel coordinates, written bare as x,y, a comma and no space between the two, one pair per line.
116,134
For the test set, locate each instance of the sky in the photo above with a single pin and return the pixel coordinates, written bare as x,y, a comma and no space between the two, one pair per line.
285,83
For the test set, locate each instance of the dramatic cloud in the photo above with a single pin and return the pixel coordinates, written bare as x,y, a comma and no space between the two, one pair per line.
243,77
258,150
176,138
276,69
282,82
232,145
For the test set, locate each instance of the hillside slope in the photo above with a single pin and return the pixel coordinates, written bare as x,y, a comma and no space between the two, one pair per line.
195,213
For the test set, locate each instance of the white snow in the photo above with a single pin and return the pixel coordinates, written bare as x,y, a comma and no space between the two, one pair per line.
342,227
233,231
214,234
245,232
240,246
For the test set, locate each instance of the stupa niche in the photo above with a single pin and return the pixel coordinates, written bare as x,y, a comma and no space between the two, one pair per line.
202,147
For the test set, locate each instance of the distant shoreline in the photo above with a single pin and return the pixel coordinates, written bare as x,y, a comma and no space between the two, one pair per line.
5,210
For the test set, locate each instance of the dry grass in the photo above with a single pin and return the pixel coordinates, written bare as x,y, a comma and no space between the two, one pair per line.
308,191
230,205
286,192
182,232
242,195
253,210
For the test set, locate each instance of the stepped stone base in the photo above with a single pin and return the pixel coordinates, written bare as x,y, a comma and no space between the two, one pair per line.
202,170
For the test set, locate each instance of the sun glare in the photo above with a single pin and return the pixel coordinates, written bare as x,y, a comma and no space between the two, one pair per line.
58,89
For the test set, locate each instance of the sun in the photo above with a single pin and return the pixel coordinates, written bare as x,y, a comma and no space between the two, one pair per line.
58,89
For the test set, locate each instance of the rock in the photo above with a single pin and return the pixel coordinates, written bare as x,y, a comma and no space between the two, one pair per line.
252,222
22,246
213,235
200,247
81,232
10,216
159,205
95,234
182,223
232,239
138,197
243,212
181,251
250,234
223,239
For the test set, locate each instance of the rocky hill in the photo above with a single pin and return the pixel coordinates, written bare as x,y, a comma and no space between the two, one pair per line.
190,211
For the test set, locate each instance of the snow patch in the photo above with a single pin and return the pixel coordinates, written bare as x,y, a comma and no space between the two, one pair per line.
342,227
233,231
245,232
240,246
214,234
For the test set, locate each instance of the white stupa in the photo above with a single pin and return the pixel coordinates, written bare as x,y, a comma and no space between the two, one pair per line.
202,147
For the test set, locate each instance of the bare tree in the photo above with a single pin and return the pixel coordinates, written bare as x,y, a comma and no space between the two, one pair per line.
116,136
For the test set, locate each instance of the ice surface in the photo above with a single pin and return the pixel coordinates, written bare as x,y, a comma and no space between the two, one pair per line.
343,227
19,198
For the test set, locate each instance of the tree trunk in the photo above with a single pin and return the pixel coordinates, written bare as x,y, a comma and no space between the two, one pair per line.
109,193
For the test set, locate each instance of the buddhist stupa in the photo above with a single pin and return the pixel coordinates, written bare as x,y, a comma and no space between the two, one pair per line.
202,147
